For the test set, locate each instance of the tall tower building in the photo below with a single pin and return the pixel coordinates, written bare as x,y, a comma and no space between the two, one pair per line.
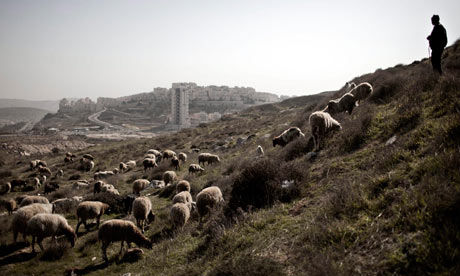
179,105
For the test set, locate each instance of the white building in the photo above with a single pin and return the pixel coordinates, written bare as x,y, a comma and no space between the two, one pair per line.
179,105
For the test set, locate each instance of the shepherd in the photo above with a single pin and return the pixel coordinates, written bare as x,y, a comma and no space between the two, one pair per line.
437,40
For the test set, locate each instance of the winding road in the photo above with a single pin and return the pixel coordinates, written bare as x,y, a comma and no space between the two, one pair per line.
94,118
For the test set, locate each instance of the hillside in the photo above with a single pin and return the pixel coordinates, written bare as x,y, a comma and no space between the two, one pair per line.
381,197
50,106
14,119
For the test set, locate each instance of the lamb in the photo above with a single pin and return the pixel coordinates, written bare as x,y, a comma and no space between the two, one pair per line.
207,199
142,211
183,185
131,164
23,214
90,210
175,163
41,226
260,150
5,188
149,163
121,230
182,157
194,168
33,199
9,204
287,136
66,205
168,154
362,91
179,214
139,185
321,123
169,177
123,167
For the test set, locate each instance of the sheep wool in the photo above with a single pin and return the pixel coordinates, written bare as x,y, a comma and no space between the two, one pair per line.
23,214
142,211
207,199
33,199
45,225
90,210
321,123
180,213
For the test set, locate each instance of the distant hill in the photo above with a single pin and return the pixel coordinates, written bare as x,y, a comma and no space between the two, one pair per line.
50,106
10,115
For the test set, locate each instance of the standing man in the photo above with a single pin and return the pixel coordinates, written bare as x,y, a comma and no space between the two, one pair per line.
438,40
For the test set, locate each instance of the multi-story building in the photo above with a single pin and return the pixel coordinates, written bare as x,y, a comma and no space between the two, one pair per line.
179,105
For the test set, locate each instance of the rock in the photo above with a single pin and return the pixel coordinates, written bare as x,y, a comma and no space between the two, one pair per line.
391,140
311,155
239,141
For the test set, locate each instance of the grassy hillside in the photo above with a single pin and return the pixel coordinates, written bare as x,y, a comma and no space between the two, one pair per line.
367,204
22,114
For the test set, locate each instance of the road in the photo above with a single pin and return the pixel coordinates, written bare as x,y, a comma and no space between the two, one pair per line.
94,118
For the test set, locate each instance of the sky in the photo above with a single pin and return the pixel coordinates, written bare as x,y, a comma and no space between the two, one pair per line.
51,49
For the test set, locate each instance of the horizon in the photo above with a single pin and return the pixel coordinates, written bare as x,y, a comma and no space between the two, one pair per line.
53,50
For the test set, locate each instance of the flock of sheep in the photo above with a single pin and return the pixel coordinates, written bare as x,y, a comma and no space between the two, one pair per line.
34,215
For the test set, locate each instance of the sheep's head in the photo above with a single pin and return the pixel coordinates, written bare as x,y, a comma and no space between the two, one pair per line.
332,107
150,217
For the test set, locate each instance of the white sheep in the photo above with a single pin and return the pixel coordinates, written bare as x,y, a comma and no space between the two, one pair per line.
121,230
184,197
150,156
207,199
183,157
59,173
123,167
103,175
179,214
169,177
86,164
90,210
33,199
142,211
183,185
66,205
131,164
287,136
42,225
9,204
80,185
23,214
194,168
260,150
321,123
139,185
362,91
208,157
157,154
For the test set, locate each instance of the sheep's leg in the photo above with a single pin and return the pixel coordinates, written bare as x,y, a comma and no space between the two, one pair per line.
39,241
121,247
33,244
104,251
15,236
98,221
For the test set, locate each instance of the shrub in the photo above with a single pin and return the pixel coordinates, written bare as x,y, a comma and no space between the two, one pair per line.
297,148
55,251
248,265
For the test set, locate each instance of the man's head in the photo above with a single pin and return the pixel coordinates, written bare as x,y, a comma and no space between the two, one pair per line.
435,19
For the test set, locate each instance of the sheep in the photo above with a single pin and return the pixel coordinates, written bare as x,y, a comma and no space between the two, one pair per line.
51,187
42,179
22,216
168,154
115,171
86,164
59,173
128,203
175,163
287,136
35,182
196,150
88,156
102,175
80,185
109,188
131,164
5,188
157,184
41,226
33,199
183,185
182,157
17,183
42,163
69,154
150,156
121,230
179,214
139,185
66,205
89,210
33,164
194,168
260,150
97,188
208,157
142,211
184,197
208,198
362,91
44,170
321,123
123,167
149,163
68,159
9,204
157,154
169,177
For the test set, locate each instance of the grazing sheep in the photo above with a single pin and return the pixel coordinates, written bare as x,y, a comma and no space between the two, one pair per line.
103,175
128,203
86,164
33,199
182,157
169,177
44,170
115,171
175,163
90,210
17,183
22,216
50,187
179,214
131,164
196,150
88,156
68,159
69,154
42,163
362,91
109,188
5,188
66,205
123,167
183,197
42,179
183,185
157,184
33,164
321,123
207,199
60,173
158,154
168,154
149,163
194,168
97,188
345,103
80,185
9,204
35,182
139,185
208,157
41,226
121,230
142,211
260,150
287,136
150,156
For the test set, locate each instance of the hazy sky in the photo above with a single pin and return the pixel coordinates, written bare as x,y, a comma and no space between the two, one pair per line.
55,49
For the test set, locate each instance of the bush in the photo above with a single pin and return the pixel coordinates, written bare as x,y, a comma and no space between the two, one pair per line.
297,148
55,251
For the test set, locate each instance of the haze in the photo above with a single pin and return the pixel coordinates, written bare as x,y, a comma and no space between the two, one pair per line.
55,49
